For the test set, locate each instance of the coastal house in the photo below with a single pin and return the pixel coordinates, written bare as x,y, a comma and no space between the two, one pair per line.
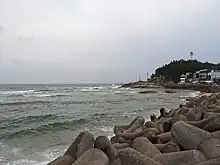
183,79
203,75
189,77
215,76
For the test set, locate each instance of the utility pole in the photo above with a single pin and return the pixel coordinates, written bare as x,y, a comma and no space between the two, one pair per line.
147,76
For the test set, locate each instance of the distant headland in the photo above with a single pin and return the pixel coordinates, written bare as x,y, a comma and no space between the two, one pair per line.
183,74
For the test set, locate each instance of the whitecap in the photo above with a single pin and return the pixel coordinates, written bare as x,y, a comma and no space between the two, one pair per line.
26,162
40,158
22,92
90,89
115,86
130,113
195,94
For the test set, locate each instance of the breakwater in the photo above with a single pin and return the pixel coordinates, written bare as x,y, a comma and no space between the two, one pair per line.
188,135
208,88
197,87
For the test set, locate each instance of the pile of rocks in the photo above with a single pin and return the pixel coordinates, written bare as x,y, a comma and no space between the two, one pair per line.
188,135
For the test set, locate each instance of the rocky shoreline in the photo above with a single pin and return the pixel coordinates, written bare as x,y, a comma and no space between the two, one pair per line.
188,135
197,87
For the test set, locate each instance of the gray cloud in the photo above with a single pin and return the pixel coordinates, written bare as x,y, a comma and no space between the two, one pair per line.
24,38
102,41
1,29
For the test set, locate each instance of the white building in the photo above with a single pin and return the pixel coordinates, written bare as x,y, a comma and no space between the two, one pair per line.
215,75
203,75
183,79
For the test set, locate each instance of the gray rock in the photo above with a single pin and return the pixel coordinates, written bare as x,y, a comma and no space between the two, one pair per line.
147,92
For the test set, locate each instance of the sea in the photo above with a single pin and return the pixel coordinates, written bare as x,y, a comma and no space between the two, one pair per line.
39,122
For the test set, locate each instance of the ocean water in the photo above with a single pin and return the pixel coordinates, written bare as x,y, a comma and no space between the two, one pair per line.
39,122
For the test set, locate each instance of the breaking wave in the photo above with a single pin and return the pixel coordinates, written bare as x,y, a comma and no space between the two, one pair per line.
16,93
24,102
44,128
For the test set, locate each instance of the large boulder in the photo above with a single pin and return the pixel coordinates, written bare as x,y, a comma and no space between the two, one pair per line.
147,92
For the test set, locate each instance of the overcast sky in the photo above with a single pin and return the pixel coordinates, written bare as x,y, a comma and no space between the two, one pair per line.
101,41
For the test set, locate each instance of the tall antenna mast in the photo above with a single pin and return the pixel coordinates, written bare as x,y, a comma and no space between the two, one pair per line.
191,55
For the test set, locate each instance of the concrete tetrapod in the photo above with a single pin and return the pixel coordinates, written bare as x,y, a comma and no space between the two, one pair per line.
130,156
117,162
210,148
190,157
62,160
190,137
178,117
194,114
136,123
210,162
132,136
144,146
213,125
168,147
92,156
121,145
216,134
83,142
165,137
104,144
118,139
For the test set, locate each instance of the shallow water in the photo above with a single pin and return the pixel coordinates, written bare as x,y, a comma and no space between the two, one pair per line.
38,122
